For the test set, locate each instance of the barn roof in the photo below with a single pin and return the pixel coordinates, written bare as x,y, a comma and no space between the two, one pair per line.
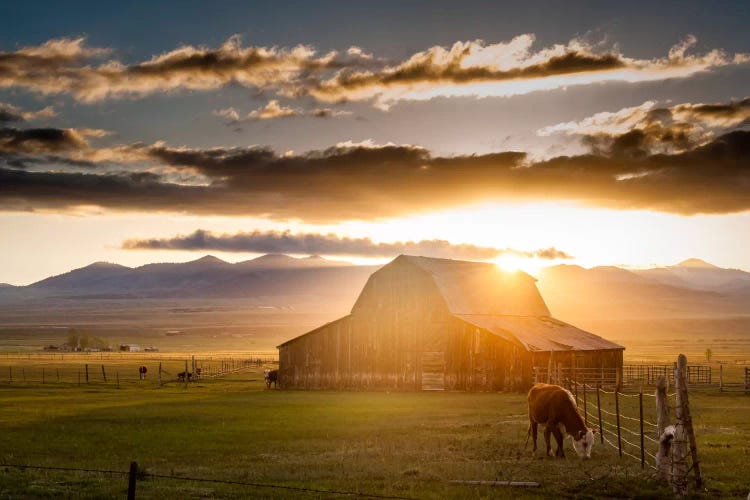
540,333
482,288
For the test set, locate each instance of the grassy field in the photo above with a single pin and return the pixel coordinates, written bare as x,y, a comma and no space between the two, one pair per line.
399,444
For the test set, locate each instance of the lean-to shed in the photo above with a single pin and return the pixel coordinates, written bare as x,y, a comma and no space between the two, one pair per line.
437,324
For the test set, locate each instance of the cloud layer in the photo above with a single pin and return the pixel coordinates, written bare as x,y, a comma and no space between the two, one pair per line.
468,68
330,244
685,159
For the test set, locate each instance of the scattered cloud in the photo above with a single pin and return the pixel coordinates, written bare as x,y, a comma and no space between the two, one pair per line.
468,68
10,113
648,128
330,244
478,69
274,110
64,66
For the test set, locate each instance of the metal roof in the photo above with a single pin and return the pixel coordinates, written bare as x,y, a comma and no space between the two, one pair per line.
540,333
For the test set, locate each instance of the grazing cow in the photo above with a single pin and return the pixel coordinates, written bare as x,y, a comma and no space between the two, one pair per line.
555,407
183,375
271,376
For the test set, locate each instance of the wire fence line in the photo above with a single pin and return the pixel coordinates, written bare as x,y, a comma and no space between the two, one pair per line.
607,411
130,370
134,474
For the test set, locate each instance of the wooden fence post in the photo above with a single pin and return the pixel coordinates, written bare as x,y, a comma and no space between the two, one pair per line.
42,375
87,373
159,373
679,443
131,480
685,420
186,374
58,375
104,374
617,411
599,410
663,459
10,374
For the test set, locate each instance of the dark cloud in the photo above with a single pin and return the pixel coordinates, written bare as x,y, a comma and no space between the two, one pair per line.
366,181
330,244
44,140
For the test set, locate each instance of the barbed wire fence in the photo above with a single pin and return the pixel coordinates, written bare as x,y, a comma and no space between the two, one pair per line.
135,474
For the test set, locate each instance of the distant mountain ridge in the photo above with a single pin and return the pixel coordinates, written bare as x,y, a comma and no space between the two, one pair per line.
276,280
691,288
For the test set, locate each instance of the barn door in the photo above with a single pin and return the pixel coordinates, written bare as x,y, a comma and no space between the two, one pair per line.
433,371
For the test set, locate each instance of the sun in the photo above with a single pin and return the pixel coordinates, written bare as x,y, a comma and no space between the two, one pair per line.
512,263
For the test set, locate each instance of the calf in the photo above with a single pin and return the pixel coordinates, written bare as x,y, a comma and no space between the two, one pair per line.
271,376
555,407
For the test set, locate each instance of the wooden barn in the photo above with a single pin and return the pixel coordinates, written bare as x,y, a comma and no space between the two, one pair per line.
436,324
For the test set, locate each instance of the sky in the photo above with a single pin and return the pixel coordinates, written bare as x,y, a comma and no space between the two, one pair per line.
525,133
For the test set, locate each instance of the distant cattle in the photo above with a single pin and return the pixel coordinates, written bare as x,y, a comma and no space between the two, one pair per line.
271,376
556,408
142,372
184,376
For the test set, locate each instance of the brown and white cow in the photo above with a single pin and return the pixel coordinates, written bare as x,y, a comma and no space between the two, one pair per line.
555,407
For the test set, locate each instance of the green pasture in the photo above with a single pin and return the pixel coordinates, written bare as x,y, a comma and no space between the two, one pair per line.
397,444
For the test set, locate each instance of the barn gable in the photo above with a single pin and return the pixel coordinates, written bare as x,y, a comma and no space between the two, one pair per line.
465,287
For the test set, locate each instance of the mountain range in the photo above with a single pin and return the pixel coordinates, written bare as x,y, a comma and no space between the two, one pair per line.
692,288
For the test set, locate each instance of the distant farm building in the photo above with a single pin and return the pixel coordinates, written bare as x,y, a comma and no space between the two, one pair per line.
130,348
437,324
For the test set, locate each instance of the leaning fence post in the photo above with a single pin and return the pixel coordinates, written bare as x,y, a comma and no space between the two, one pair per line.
640,410
684,418
131,480
617,411
104,374
599,410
